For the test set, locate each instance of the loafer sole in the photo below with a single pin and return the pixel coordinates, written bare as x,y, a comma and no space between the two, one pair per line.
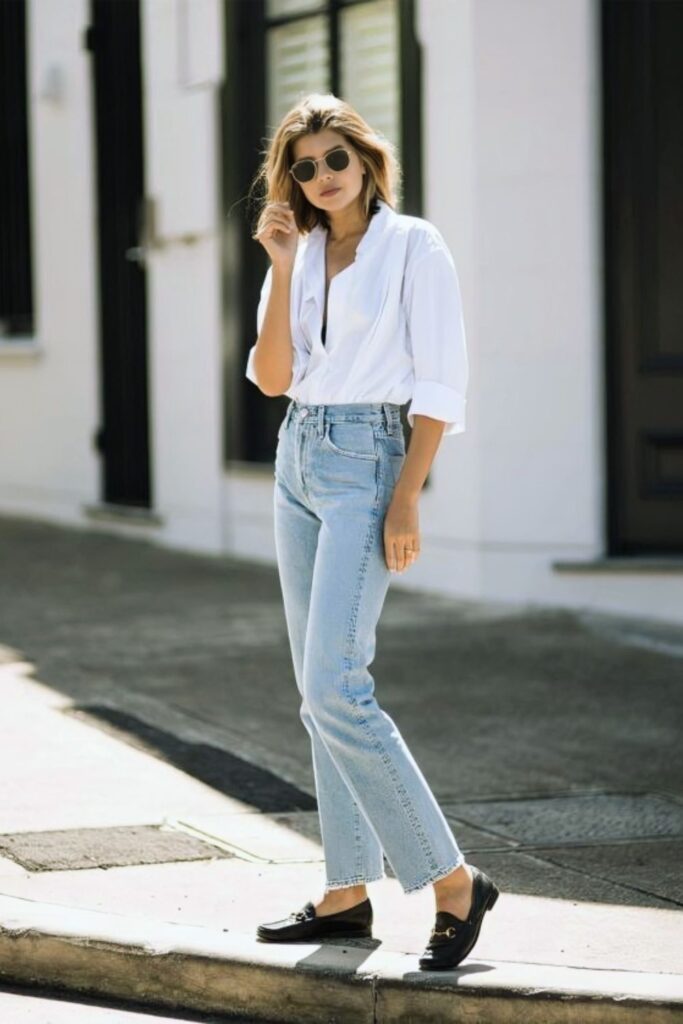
313,936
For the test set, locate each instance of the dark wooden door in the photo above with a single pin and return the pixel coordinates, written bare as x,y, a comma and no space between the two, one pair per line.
642,46
123,437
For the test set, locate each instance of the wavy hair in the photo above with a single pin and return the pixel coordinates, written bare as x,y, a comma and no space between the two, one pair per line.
313,113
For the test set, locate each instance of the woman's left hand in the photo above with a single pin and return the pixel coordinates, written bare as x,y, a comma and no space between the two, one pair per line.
401,533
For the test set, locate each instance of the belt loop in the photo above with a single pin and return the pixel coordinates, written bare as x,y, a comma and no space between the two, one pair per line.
387,418
288,413
321,420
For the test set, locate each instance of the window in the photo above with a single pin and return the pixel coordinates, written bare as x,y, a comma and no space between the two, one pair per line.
16,289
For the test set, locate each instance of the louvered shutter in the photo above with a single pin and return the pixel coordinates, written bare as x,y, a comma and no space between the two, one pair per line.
369,51
298,59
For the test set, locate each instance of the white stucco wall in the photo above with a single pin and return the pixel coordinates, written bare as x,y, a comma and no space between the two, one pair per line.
539,337
48,384
182,69
512,178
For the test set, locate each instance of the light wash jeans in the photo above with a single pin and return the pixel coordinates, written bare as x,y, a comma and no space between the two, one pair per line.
335,470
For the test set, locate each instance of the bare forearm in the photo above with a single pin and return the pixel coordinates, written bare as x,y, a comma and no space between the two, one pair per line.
273,355
425,439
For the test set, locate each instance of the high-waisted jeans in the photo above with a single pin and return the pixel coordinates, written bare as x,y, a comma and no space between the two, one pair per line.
335,471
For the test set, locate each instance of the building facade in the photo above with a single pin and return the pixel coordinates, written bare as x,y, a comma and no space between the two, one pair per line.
540,136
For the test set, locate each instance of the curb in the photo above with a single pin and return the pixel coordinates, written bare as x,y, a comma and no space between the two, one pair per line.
187,967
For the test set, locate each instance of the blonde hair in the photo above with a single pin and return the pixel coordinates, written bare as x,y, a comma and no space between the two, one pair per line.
314,113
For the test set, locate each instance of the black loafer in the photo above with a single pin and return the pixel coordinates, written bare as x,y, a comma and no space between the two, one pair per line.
452,939
304,925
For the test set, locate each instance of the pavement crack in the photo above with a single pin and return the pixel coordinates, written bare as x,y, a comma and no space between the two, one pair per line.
598,877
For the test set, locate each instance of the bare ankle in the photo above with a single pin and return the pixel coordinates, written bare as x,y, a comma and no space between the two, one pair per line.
347,892
343,898
459,879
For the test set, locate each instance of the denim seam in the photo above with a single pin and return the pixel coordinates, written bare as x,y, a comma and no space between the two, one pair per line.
404,799
406,804
385,465
359,845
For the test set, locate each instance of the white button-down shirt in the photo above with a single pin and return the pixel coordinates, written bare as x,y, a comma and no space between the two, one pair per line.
395,328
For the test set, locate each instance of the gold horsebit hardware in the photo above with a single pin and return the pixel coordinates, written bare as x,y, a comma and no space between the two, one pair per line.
449,932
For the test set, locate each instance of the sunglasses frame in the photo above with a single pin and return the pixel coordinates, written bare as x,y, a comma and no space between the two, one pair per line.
310,160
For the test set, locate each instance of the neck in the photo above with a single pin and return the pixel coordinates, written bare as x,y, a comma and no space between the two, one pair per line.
346,223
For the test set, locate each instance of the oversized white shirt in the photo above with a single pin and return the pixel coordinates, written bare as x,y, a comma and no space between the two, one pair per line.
395,329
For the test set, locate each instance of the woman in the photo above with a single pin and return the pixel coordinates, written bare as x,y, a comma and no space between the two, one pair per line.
357,317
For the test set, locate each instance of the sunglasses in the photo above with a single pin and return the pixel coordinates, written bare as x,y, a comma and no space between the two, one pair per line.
306,169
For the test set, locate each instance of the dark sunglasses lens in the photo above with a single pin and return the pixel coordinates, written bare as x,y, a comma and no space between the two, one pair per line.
338,160
304,170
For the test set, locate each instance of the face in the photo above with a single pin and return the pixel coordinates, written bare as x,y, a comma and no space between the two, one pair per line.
348,182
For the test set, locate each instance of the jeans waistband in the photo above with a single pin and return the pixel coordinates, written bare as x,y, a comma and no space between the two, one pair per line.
388,413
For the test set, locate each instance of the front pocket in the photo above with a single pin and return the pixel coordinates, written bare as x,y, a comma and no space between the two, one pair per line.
355,440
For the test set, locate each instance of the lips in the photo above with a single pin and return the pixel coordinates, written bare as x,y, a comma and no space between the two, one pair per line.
329,192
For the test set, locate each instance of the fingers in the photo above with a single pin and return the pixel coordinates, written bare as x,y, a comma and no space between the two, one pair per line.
275,217
401,553
273,224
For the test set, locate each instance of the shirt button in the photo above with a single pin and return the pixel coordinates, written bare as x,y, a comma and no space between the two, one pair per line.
304,412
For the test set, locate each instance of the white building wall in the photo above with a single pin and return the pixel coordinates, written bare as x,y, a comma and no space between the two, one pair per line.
540,335
48,383
512,175
182,62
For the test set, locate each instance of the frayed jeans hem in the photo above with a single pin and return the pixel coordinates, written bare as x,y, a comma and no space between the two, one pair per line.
357,880
435,876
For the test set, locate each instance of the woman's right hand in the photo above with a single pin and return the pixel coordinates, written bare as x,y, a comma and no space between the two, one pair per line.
277,232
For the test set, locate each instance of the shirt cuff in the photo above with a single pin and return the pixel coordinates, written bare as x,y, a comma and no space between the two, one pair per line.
430,398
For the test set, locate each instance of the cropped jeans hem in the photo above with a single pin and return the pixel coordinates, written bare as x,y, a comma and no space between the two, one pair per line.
356,880
435,876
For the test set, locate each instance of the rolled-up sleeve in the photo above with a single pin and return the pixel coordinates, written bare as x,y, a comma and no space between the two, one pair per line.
436,332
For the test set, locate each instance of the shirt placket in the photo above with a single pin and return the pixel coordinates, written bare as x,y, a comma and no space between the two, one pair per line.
335,307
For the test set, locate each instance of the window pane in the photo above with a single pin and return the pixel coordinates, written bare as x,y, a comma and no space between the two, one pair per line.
370,64
280,8
298,63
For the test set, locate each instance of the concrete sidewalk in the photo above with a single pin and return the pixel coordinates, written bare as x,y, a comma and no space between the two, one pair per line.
157,798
